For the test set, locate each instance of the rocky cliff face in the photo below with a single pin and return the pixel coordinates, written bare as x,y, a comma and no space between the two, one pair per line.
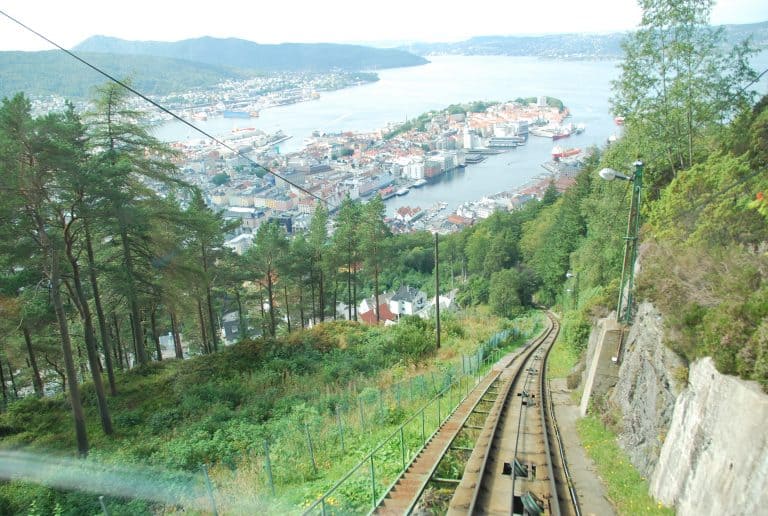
705,445
715,456
646,390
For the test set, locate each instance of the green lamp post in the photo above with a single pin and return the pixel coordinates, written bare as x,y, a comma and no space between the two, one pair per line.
624,307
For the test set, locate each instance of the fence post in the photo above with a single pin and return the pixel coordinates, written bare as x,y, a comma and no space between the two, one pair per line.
362,416
341,429
373,484
210,489
311,449
439,417
402,445
103,505
423,434
269,467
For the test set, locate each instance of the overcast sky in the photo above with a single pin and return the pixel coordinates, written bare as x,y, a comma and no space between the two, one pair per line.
68,22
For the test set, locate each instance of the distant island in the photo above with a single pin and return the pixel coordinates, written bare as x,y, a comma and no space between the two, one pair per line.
567,46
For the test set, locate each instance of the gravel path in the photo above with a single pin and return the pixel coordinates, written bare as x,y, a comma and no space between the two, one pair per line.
593,500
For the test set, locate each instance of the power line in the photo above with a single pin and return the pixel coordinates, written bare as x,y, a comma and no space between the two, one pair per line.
155,104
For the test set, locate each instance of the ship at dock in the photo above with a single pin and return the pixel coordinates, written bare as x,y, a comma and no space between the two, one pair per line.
559,153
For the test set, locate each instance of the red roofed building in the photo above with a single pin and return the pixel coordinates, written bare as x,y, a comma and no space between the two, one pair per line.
459,220
385,315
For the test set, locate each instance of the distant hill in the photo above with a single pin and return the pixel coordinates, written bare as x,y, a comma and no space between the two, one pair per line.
239,53
556,45
54,72
566,45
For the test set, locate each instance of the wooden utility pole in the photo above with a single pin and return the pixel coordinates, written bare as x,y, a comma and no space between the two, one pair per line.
437,292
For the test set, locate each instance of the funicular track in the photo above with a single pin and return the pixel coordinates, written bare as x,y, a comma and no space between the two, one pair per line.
510,400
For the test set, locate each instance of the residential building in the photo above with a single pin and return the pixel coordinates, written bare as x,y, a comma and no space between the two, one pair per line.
407,301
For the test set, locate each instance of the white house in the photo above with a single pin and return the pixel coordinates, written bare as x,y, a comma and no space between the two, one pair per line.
407,301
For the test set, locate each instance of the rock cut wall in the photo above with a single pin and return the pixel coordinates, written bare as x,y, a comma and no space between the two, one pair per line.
715,457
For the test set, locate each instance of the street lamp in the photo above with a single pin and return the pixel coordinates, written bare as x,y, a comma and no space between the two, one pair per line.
630,241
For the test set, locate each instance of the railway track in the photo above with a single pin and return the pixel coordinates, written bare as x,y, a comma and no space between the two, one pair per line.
512,468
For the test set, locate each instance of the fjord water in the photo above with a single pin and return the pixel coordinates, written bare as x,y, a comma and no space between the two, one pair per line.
403,93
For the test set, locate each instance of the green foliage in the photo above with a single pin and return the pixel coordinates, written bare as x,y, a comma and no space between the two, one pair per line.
575,330
414,339
220,179
678,88
626,488
709,203
504,296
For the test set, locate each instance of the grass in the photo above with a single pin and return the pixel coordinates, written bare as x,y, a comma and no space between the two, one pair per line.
220,409
561,360
627,489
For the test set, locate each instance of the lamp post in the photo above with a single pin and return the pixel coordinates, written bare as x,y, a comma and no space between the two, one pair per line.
630,241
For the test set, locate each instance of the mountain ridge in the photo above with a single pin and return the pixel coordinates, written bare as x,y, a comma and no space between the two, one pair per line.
244,54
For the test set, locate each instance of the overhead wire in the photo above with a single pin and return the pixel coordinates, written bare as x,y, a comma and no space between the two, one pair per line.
159,106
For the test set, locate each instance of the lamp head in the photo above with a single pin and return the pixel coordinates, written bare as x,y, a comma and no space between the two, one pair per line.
608,174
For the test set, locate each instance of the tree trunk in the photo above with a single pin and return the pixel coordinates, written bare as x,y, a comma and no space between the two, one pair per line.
138,336
349,290
242,323
122,357
69,364
301,306
263,315
376,292
134,332
209,302
335,296
155,336
271,296
4,387
90,339
312,293
203,332
209,299
83,367
103,327
37,381
13,380
176,337
287,307
354,290
322,296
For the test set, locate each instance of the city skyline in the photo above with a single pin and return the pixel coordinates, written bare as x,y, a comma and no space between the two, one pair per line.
332,21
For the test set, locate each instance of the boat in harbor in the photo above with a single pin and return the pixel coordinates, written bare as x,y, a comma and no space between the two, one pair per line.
387,193
473,158
560,153
419,183
402,191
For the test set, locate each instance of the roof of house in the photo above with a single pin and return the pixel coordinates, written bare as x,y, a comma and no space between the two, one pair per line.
385,314
406,293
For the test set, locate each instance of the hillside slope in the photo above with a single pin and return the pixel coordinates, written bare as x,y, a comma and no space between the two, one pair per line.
53,72
239,53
